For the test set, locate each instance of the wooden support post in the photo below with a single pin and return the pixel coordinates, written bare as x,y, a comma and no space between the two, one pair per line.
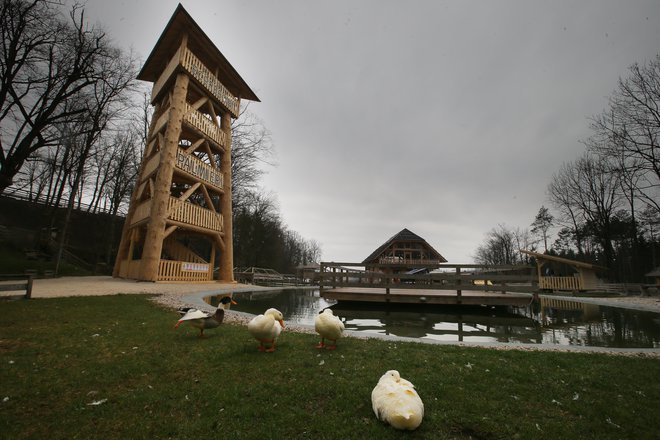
212,261
28,288
227,255
459,293
388,282
153,243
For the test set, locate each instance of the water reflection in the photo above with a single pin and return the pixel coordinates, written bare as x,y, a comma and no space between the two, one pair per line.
549,322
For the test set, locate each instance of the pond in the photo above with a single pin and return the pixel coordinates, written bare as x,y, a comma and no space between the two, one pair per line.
549,322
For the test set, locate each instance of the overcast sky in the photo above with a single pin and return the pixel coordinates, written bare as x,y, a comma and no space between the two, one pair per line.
443,117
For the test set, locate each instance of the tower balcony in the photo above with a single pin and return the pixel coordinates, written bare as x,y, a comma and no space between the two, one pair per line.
194,167
205,126
184,214
203,77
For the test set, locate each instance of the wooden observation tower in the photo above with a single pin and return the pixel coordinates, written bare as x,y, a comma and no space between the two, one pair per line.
179,223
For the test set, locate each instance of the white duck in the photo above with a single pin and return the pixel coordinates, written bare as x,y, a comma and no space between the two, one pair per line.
329,327
266,328
395,401
202,320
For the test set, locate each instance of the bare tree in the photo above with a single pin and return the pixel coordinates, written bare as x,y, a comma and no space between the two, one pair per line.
251,150
587,193
102,103
629,132
561,195
542,224
499,247
46,62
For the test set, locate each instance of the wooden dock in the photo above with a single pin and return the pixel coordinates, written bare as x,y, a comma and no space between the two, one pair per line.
474,285
421,296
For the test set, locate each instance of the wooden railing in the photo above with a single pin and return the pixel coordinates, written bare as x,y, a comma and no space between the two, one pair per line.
186,212
10,283
205,125
207,80
559,283
193,166
171,270
500,278
202,75
408,261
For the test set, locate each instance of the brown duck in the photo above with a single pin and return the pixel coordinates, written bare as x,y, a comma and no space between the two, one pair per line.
202,320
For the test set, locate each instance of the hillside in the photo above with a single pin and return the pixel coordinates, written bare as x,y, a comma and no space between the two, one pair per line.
29,235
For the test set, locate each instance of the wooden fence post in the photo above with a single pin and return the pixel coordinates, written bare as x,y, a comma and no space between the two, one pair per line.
28,288
459,293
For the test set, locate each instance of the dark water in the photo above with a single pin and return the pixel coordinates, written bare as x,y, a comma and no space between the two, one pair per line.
568,323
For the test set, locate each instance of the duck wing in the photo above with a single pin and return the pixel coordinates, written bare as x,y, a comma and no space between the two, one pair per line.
329,327
194,314
264,327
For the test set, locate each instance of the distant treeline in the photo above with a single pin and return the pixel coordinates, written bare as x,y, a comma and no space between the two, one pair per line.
607,202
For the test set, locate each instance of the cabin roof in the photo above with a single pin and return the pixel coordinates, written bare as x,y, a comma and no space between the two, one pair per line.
556,259
201,45
407,236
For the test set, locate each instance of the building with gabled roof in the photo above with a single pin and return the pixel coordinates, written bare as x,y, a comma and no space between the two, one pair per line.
404,252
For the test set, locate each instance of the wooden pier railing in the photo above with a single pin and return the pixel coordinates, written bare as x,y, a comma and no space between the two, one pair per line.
560,283
458,277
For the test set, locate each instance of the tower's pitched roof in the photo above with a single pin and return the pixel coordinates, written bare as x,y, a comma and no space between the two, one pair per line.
201,45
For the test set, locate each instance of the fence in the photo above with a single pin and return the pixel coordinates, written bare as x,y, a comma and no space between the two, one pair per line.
487,278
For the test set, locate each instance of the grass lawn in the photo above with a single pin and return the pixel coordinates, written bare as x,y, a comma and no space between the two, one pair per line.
114,367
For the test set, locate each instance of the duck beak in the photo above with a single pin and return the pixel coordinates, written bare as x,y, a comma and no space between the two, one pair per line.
282,323
234,302
178,324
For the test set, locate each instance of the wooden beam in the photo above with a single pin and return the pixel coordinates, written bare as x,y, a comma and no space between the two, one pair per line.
212,112
199,103
195,145
183,198
207,197
218,239
169,231
192,227
151,186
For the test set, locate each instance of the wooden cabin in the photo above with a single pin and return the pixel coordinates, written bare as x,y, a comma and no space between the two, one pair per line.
403,253
179,222
580,276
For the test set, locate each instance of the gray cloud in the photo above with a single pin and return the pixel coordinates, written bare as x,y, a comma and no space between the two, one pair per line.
443,117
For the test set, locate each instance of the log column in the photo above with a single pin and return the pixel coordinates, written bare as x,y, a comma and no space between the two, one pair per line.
227,255
153,244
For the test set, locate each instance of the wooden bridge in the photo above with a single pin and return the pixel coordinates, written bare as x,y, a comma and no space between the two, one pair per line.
449,284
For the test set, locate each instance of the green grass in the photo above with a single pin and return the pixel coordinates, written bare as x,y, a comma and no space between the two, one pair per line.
57,356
